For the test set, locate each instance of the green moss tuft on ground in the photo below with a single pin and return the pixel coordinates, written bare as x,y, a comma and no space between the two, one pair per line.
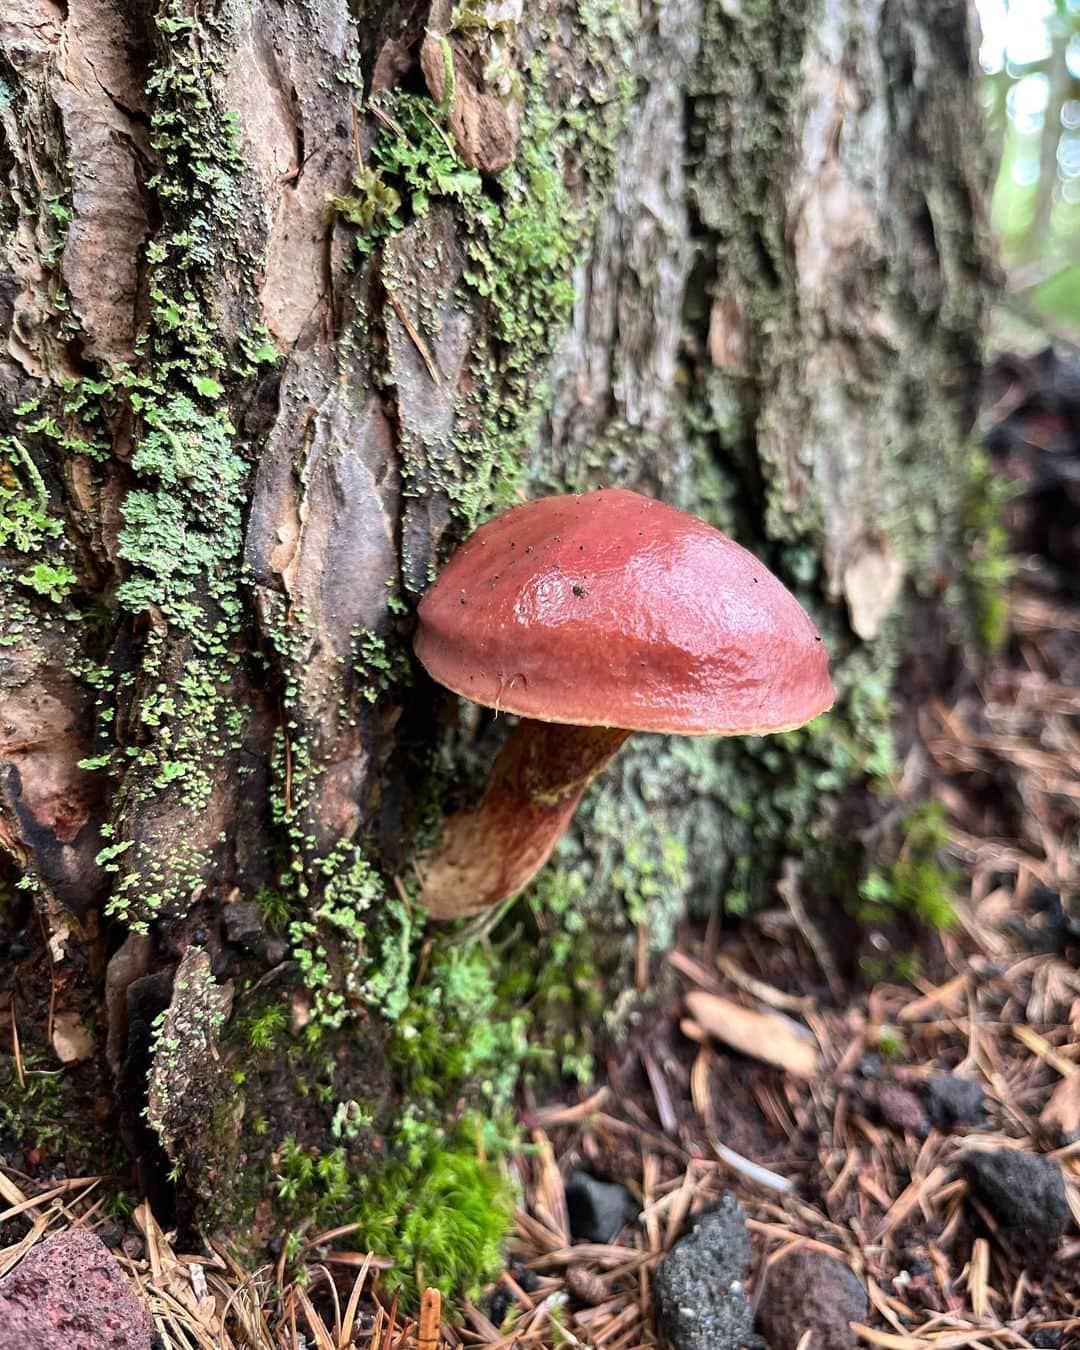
915,883
441,1217
444,1220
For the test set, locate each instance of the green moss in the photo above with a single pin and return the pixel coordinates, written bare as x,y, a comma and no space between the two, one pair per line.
53,581
373,207
26,523
264,1029
520,241
986,567
915,883
53,1110
353,944
460,1032
418,160
443,1221
889,1041
274,904
380,667
427,1200
34,536
32,1111
181,536
522,235
571,969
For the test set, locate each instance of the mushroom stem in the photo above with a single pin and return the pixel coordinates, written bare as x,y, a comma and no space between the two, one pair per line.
496,847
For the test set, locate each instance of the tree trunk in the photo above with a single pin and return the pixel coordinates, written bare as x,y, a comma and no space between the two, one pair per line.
295,292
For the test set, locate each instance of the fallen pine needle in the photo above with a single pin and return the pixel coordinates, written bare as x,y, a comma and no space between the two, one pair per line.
753,1171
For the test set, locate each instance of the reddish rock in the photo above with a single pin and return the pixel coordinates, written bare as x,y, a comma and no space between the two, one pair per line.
901,1110
808,1291
70,1292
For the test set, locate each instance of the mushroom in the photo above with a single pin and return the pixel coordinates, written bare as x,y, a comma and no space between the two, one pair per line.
590,617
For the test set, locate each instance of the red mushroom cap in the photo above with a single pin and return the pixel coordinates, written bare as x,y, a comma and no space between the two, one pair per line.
610,609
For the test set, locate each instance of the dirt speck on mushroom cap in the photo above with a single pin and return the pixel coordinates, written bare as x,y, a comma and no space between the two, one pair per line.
612,609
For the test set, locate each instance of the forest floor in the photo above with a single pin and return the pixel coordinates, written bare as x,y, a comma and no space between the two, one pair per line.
840,1145
840,1154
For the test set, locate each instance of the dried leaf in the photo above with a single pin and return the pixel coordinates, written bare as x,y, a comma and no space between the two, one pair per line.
765,1036
71,1040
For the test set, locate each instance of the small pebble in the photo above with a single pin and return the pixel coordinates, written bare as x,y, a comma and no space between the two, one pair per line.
1024,1194
811,1292
586,1286
952,1100
700,1298
901,1110
596,1209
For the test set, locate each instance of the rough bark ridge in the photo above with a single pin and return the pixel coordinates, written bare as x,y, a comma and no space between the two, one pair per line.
293,294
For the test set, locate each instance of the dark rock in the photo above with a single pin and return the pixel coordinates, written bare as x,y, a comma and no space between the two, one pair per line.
245,924
901,1110
274,950
596,1209
1046,1340
502,1297
1024,1194
244,921
811,1292
111,1234
1061,916
70,1291
497,1304
952,1100
700,1298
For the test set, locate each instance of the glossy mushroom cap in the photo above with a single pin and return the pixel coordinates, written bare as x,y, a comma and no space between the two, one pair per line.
610,609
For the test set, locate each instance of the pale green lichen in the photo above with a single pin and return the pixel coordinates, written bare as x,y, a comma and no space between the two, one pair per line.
181,536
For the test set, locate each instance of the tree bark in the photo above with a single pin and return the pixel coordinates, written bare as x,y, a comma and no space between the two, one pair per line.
294,293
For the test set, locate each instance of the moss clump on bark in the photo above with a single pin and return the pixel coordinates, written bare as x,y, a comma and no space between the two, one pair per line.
985,567
455,1025
181,533
520,238
413,1158
522,234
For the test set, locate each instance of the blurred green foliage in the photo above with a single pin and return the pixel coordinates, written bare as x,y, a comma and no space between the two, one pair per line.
1031,58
